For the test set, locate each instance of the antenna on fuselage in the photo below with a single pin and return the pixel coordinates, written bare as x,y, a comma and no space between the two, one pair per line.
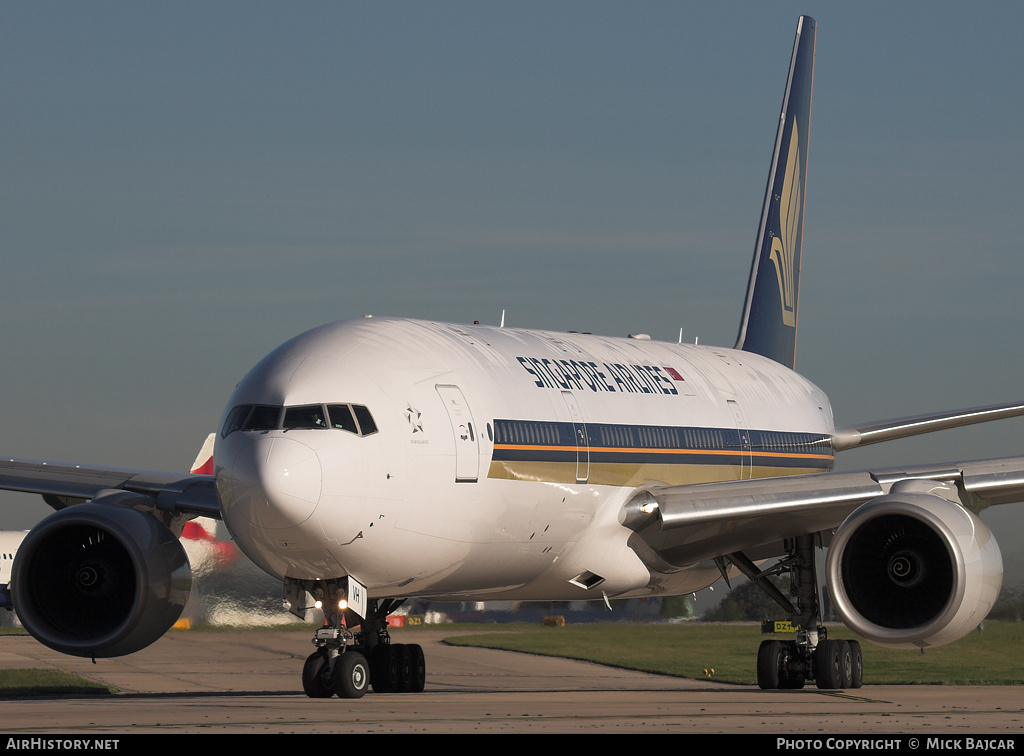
502,319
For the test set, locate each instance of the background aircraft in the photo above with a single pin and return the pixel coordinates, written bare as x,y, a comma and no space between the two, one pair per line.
9,543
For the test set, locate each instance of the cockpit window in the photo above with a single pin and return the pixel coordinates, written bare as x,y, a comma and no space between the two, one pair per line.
235,419
354,418
309,416
366,424
341,417
263,417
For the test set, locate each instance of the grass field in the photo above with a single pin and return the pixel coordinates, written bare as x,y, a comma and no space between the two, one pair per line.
23,683
727,652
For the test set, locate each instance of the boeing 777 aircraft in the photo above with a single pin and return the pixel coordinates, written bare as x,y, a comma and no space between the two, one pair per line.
370,461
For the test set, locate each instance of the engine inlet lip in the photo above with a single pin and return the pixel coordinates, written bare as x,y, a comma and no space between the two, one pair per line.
917,507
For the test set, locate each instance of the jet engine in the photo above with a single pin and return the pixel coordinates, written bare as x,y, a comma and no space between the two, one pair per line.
100,580
914,568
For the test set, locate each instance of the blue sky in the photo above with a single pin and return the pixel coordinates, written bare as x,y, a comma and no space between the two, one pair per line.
186,185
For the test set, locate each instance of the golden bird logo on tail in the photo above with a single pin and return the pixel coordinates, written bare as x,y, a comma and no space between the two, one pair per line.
783,254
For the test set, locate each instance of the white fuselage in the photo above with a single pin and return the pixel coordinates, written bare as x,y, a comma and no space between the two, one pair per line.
497,461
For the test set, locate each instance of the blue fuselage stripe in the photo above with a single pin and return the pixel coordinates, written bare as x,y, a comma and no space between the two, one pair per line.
539,441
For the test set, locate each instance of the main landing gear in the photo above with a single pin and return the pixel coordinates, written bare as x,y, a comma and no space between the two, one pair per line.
347,663
789,664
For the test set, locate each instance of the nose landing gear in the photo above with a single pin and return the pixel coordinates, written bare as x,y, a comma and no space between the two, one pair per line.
348,663
346,674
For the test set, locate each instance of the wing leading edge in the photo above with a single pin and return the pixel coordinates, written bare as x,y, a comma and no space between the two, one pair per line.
852,436
61,485
688,524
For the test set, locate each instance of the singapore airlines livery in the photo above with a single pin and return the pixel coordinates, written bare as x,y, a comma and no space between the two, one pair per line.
370,461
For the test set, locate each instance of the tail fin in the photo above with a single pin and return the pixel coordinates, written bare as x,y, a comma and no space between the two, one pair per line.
769,319
204,460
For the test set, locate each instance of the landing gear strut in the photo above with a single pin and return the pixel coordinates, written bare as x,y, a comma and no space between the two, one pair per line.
789,664
348,664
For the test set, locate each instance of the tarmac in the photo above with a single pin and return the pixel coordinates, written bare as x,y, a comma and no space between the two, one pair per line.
249,682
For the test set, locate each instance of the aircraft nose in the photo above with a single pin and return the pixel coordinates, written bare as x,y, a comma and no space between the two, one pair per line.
273,482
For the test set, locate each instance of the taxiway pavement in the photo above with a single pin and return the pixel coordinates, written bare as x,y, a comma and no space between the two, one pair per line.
250,682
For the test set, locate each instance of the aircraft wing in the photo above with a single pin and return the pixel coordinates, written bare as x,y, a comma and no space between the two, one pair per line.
187,494
755,517
852,436
687,524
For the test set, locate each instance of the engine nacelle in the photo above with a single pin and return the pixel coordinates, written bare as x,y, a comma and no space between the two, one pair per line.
100,580
913,568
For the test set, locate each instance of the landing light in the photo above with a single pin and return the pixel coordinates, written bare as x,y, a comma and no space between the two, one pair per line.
342,604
